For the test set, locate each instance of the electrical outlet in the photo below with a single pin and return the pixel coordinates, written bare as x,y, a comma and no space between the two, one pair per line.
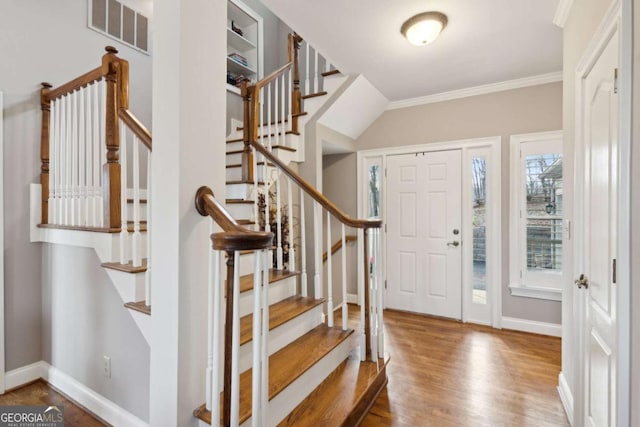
106,366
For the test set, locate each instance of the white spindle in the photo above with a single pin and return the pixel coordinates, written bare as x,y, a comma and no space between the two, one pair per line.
88,145
124,232
216,325
81,158
345,308
136,256
292,253
53,135
362,234
316,72
317,251
62,160
307,81
235,343
283,101
74,157
265,177
256,375
102,152
288,98
276,111
373,285
303,247
264,383
327,65
255,184
211,312
268,101
279,230
95,161
380,296
329,273
68,148
147,276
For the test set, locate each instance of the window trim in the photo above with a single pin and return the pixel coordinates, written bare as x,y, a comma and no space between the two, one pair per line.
547,290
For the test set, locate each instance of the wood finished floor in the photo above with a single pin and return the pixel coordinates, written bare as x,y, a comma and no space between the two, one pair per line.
41,393
442,373
445,373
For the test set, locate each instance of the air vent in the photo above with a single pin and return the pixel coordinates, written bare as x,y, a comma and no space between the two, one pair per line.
120,22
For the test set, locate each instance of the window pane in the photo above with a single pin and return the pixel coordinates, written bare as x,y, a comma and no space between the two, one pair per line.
543,182
374,191
478,193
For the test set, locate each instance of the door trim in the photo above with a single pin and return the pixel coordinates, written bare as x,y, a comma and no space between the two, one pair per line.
494,145
617,19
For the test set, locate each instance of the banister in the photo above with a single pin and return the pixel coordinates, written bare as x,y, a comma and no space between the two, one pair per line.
136,127
315,194
338,245
235,237
75,84
271,77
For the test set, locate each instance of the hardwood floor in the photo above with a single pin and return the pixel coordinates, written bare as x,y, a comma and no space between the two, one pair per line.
41,393
446,373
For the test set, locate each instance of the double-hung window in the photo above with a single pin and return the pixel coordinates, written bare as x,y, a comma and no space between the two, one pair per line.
536,229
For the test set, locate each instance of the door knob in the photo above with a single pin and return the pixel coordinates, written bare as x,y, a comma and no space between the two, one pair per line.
582,282
455,243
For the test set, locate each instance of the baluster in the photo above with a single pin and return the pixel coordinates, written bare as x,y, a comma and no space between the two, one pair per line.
234,320
124,232
283,123
303,247
316,71
329,273
264,383
102,149
292,253
88,143
74,157
256,374
380,320
276,110
317,251
60,160
212,320
81,158
53,169
307,81
147,277
345,308
45,148
373,292
268,100
95,144
68,166
279,253
290,99
364,300
136,257
255,185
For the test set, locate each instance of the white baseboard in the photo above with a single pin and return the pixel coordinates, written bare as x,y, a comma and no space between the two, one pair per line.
84,396
524,325
352,299
565,396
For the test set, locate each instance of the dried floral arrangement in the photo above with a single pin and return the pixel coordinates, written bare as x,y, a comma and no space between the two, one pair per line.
273,224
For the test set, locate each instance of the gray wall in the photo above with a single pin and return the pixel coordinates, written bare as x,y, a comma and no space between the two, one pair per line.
34,51
532,109
84,320
580,26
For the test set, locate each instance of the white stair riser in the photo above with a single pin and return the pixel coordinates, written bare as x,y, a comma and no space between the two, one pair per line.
240,210
239,191
287,400
283,335
277,292
333,82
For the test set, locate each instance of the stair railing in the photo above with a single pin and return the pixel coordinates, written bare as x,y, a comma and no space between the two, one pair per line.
87,133
233,239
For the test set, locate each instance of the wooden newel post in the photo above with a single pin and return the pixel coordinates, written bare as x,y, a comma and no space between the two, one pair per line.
367,297
45,105
228,338
246,92
296,97
111,170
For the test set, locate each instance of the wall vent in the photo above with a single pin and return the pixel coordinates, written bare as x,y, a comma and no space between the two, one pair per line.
120,22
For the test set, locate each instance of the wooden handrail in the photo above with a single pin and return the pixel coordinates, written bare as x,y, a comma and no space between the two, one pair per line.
234,237
75,84
338,245
136,127
314,193
271,77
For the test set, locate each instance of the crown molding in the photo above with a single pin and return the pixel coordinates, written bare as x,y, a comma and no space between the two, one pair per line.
478,90
562,12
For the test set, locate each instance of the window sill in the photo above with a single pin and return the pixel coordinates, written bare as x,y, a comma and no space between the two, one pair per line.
537,292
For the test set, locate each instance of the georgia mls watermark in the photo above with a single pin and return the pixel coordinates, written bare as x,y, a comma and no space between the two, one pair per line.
32,416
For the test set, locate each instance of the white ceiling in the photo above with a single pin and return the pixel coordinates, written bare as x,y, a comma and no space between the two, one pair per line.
485,41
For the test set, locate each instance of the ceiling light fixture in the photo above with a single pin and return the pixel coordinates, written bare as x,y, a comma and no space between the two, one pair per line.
424,28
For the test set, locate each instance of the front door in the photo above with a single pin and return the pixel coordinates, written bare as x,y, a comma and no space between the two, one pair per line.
424,236
599,235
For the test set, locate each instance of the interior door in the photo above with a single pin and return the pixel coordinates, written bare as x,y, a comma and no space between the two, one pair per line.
600,130
424,256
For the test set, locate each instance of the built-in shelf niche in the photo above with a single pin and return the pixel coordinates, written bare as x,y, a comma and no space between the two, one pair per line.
247,46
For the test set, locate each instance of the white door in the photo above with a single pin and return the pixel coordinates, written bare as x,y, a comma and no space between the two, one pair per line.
600,131
424,256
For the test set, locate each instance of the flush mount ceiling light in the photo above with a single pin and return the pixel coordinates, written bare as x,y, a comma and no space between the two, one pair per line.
424,28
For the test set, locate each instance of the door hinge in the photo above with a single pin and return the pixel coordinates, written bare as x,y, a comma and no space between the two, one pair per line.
385,228
521,274
615,80
614,268
385,172
385,283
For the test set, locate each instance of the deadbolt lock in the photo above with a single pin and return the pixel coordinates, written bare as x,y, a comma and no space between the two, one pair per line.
456,231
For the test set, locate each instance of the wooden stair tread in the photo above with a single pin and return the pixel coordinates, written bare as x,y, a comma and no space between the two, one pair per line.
330,73
245,222
143,228
344,397
282,147
287,365
127,268
244,182
279,314
246,281
139,306
273,123
142,201
239,165
239,202
300,114
313,95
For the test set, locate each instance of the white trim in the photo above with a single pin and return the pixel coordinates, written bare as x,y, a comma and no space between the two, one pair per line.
478,90
562,12
78,392
532,326
494,143
565,396
518,290
2,356
352,299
